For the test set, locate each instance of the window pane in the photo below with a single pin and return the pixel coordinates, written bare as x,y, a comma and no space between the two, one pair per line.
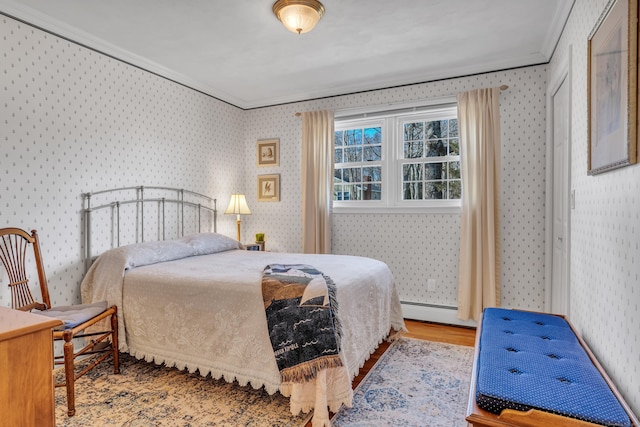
455,190
454,147
376,191
373,135
372,173
353,192
436,148
412,191
367,190
435,171
413,131
412,172
435,190
353,154
352,175
454,170
433,130
372,153
355,146
444,128
353,137
413,150
453,128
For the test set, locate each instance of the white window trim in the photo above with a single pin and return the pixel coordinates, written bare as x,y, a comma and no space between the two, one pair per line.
391,202
388,109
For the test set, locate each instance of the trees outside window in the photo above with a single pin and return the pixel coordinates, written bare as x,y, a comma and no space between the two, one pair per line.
398,160
431,160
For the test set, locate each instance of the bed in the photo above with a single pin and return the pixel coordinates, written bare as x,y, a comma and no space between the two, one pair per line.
195,302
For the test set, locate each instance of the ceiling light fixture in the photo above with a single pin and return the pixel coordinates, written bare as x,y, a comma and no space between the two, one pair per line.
298,16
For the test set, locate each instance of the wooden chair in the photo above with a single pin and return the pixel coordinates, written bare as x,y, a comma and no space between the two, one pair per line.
14,243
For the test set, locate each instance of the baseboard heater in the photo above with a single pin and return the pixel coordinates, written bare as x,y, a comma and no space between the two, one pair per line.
433,313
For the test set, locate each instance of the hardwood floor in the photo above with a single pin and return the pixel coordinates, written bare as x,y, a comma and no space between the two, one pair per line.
441,333
423,331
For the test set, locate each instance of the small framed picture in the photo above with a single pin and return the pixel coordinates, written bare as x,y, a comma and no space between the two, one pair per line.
269,188
268,152
612,88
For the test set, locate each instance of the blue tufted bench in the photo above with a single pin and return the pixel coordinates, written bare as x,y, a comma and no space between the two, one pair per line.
532,369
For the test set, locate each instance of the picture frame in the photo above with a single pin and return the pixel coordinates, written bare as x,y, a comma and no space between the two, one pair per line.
268,152
612,81
269,188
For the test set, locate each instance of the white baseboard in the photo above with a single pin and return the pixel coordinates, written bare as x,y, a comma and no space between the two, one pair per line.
433,313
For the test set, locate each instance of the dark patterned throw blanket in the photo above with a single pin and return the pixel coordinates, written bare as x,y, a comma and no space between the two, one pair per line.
300,304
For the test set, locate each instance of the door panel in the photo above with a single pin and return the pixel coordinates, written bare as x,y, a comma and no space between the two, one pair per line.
560,199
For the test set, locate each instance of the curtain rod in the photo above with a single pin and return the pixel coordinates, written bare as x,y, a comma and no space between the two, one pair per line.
502,87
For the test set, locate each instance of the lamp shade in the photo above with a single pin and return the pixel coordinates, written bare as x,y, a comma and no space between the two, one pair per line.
238,205
298,16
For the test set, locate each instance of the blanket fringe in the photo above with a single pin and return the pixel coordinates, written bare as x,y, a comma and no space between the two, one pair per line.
308,371
332,289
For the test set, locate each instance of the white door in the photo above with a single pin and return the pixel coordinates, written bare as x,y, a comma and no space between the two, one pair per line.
560,200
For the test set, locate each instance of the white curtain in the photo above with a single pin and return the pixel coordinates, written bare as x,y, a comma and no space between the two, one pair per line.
317,181
479,275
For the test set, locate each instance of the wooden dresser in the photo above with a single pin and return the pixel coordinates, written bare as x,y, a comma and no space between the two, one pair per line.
26,369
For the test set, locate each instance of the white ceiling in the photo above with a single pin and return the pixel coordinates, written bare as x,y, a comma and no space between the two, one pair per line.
237,51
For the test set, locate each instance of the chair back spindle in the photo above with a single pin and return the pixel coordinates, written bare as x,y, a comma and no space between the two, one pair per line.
14,244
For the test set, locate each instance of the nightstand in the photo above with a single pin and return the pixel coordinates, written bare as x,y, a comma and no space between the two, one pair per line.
26,358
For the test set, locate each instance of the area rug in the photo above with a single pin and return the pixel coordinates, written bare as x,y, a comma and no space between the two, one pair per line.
415,383
145,394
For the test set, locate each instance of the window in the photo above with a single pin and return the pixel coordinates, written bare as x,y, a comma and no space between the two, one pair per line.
430,160
398,161
358,163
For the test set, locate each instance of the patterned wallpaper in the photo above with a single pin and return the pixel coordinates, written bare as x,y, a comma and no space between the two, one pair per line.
605,230
422,246
75,121
86,122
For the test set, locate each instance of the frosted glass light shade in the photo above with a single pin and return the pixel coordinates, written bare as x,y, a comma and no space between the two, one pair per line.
298,16
238,205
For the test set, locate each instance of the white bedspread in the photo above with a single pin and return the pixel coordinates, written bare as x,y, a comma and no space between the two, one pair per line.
196,303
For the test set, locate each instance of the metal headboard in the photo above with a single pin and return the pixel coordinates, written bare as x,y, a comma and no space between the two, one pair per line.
179,205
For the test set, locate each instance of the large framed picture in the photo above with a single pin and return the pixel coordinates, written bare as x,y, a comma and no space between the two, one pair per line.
612,76
268,152
269,188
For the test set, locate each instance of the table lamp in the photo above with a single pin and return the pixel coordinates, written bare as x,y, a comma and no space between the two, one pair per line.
238,206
